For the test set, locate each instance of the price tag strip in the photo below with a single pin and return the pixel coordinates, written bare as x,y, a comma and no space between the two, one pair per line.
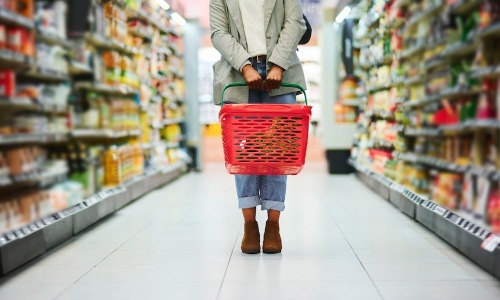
491,243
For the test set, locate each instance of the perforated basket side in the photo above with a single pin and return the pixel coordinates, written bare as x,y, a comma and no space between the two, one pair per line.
265,142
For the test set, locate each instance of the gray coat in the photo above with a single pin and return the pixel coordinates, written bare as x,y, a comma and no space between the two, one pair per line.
284,25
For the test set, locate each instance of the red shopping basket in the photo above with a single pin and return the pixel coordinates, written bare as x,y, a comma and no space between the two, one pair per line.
265,139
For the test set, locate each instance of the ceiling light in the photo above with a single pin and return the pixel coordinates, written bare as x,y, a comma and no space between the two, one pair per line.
343,14
179,19
163,4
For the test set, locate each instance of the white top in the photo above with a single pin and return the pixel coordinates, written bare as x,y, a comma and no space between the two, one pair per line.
252,13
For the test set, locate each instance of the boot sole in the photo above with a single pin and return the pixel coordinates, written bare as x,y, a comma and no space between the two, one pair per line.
271,251
251,252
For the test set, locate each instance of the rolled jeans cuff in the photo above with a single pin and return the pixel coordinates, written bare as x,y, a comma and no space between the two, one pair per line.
273,205
249,202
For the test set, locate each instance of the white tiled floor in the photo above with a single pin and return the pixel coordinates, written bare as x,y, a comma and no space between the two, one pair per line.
341,241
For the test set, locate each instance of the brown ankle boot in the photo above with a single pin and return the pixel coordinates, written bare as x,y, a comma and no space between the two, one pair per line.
272,238
251,238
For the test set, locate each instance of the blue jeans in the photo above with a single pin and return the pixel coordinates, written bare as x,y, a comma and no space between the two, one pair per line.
265,190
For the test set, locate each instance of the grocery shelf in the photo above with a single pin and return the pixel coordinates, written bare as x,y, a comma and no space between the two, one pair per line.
12,18
44,74
486,72
52,38
457,129
30,138
10,60
378,142
433,162
462,128
401,3
413,50
448,166
24,244
414,80
435,44
148,146
106,89
492,30
434,63
53,107
142,16
103,133
457,92
434,9
18,103
140,33
465,6
134,132
380,114
49,177
353,102
431,59
386,86
111,44
172,144
449,93
422,131
157,125
39,178
372,18
396,23
78,68
460,49
173,121
80,79
55,138
462,232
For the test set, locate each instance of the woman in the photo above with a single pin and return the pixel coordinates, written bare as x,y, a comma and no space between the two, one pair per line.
258,41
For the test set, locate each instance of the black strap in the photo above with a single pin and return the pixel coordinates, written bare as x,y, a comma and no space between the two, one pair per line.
307,35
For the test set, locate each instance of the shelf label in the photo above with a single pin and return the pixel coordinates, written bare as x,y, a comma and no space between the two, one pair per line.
48,221
33,227
10,236
455,219
119,189
491,243
26,230
483,233
398,188
92,200
439,210
470,227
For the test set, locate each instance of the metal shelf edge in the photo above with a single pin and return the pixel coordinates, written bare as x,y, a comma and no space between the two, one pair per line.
34,236
461,233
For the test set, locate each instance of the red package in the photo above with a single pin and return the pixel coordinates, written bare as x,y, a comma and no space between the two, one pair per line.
7,83
3,36
15,38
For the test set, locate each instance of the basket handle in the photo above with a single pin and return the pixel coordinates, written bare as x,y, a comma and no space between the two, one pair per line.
241,83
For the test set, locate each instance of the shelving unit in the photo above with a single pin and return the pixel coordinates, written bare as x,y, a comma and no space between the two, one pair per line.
13,18
429,132
77,104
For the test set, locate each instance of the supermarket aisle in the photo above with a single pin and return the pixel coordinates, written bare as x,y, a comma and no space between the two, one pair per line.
182,242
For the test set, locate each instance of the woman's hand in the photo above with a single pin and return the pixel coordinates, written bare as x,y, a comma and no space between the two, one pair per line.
274,78
253,78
